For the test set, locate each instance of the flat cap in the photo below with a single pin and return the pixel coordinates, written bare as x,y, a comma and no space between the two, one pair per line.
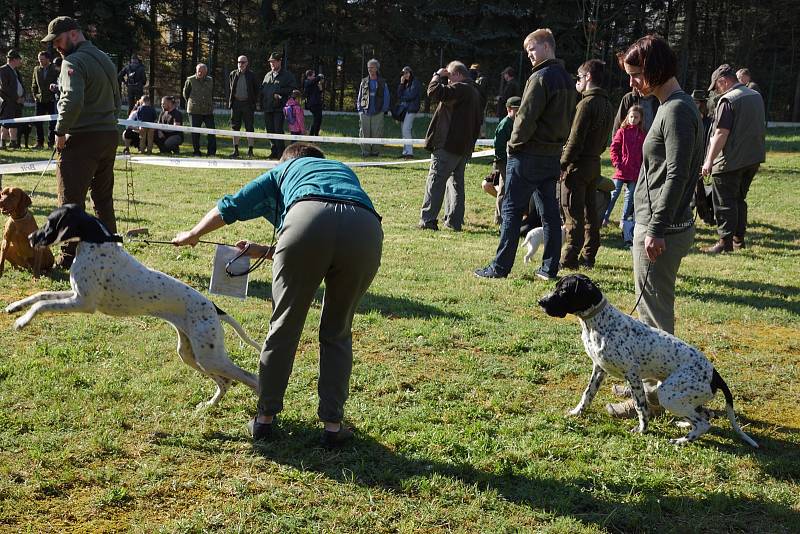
275,56
58,26
513,102
722,70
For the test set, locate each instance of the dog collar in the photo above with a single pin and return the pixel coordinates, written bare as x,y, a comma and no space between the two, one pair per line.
594,310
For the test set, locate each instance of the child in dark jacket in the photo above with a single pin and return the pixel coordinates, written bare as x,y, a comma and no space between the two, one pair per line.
626,156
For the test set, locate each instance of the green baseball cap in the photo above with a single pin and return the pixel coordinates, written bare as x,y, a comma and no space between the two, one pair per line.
58,26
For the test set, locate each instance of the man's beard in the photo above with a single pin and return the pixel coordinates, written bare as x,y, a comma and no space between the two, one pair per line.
68,49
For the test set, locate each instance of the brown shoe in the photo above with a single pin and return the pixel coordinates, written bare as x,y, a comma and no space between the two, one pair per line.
738,243
627,410
725,244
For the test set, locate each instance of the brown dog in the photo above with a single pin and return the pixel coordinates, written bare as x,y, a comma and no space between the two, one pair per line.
16,248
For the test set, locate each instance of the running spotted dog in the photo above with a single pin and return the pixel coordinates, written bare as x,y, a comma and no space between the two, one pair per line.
620,345
107,279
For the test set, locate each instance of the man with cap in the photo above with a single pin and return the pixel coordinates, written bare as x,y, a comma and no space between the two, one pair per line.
12,93
501,136
276,88
134,77
735,152
86,130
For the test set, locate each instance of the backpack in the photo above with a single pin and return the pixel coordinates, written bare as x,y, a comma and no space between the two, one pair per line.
288,113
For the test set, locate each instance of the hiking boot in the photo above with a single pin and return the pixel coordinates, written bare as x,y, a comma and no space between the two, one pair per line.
621,390
586,263
488,272
725,244
738,243
428,226
331,440
260,431
627,410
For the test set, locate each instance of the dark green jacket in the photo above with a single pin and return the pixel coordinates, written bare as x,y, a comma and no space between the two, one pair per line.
591,127
282,84
543,121
199,95
89,92
40,84
501,136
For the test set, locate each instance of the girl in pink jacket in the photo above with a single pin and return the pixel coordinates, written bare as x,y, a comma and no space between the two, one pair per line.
293,113
626,156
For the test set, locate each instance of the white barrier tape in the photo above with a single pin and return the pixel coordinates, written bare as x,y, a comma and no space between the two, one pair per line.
23,120
212,163
288,137
253,135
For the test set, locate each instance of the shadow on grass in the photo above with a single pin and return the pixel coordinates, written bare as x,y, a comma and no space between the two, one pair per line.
723,290
369,463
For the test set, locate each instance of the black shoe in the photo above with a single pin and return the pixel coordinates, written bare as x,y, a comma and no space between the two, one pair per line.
572,266
39,146
429,226
260,431
452,228
331,440
544,275
126,151
586,263
197,154
13,144
250,152
235,153
488,272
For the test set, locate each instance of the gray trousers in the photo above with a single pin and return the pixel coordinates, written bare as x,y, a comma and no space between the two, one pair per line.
340,244
370,126
445,184
729,191
657,287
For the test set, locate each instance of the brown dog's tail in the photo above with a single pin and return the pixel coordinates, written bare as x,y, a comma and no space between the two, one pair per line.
718,383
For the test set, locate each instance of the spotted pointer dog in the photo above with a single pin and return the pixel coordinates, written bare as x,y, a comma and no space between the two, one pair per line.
620,345
107,279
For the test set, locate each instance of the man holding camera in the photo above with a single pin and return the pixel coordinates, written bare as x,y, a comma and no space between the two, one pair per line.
451,136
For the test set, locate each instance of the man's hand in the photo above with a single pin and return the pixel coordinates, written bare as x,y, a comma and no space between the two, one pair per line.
61,140
442,73
185,238
654,247
706,168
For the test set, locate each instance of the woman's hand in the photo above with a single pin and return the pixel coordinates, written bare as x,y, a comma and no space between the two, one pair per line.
185,238
254,250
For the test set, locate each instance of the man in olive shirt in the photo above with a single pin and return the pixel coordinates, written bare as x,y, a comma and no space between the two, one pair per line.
735,152
540,130
580,167
44,74
242,99
276,88
199,92
86,130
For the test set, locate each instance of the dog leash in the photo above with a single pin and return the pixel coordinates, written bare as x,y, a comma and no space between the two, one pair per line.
52,156
252,268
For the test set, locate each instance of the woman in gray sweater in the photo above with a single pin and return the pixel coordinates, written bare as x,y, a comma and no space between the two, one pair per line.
672,155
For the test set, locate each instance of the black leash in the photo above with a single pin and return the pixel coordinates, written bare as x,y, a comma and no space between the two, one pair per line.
261,259
52,156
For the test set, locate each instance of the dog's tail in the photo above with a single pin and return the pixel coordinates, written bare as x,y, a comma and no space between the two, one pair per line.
236,326
718,383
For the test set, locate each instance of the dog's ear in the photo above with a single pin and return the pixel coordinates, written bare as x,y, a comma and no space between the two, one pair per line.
24,200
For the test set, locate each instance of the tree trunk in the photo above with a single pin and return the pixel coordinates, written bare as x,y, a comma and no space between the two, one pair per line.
796,106
184,46
154,39
689,29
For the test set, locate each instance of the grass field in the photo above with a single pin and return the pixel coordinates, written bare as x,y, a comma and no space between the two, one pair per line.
459,390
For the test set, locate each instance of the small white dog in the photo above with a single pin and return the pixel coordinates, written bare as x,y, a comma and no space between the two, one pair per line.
534,240
106,279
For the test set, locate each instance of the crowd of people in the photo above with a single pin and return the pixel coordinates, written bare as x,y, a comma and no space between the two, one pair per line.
546,169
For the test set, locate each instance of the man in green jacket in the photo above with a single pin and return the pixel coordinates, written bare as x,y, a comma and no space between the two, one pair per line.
199,93
44,74
86,130
276,88
580,167
540,130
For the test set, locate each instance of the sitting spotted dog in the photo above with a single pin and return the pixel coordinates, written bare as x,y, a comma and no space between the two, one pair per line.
624,347
107,279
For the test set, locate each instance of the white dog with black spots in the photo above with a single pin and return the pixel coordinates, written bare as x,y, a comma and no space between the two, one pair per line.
106,279
626,348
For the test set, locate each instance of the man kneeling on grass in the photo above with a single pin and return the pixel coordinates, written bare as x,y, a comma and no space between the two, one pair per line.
328,230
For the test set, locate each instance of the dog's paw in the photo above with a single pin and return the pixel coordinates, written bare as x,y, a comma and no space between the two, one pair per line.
12,308
202,406
638,430
683,424
20,323
576,412
680,441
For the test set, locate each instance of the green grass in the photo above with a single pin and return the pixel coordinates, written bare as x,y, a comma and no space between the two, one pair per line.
459,389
